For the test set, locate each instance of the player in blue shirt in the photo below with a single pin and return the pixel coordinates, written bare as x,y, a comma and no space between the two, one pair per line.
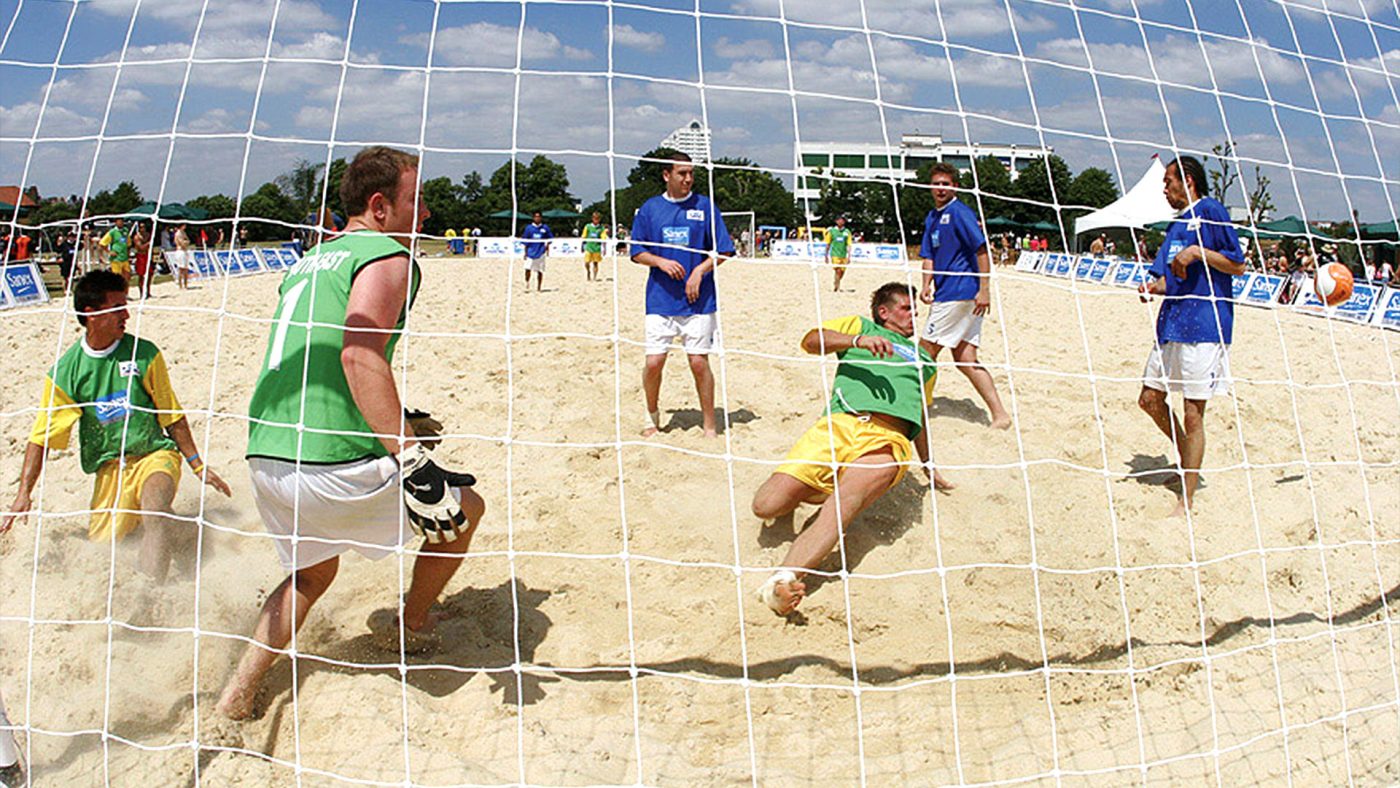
1193,270
957,284
536,236
682,237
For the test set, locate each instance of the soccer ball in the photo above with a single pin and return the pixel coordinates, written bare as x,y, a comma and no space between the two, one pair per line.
1333,284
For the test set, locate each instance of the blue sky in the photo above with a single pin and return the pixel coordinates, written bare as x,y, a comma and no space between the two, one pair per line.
1309,95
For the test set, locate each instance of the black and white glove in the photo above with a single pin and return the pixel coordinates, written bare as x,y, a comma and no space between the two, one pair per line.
433,511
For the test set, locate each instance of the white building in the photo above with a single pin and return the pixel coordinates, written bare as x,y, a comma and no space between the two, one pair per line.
879,161
692,138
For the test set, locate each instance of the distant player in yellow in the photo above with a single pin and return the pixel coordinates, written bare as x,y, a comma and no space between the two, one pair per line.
115,389
117,244
838,249
593,250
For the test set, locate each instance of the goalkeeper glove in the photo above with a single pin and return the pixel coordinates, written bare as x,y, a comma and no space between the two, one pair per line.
433,511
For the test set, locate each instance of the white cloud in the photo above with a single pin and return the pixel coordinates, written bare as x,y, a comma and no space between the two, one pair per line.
488,44
733,50
631,37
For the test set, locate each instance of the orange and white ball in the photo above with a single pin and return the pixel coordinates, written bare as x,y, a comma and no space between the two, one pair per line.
1333,284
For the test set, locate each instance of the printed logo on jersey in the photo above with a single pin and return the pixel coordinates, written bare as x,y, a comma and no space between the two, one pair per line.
112,407
1193,225
933,239
905,352
695,215
1174,250
675,236
129,369
946,218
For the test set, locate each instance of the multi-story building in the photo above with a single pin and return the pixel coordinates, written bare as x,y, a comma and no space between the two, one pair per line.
879,161
692,138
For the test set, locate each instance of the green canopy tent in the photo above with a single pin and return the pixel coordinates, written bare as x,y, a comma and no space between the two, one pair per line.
1002,223
506,214
7,209
168,212
558,213
1384,231
1043,227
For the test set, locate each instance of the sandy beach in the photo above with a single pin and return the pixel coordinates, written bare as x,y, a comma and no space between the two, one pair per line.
1042,623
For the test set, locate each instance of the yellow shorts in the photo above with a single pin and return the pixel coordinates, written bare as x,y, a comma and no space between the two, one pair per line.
593,257
810,459
108,509
122,267
840,262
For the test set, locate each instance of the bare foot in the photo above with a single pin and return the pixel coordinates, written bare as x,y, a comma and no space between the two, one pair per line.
940,483
1180,510
1003,423
650,431
238,701
384,630
789,595
711,433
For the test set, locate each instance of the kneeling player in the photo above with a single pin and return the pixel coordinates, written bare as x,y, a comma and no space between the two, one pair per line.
882,386
329,471
115,388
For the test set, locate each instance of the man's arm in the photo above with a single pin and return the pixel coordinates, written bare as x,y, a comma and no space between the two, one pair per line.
823,340
180,433
671,268
33,464
377,297
982,304
692,283
1195,253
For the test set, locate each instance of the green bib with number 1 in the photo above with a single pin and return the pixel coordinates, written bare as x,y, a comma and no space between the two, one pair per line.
301,407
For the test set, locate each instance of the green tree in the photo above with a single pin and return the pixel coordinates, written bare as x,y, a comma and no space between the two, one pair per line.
50,212
740,185
302,185
268,202
542,185
992,181
643,182
335,174
219,206
1092,187
118,201
443,199
1043,185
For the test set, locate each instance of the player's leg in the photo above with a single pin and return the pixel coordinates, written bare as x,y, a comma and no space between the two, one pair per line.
705,388
651,386
781,494
437,563
282,614
1154,403
1193,450
965,354
858,485
11,770
157,491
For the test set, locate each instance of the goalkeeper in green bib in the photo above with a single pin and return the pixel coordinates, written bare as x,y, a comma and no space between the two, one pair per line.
334,465
862,447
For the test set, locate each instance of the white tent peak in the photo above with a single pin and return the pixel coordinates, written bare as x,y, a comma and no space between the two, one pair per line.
1142,205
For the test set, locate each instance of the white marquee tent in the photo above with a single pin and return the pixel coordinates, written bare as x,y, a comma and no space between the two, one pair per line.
1144,204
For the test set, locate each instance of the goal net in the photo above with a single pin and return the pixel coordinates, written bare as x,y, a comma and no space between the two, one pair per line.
1046,620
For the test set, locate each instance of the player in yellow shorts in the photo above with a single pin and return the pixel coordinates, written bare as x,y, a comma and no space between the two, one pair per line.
862,447
594,233
114,387
838,249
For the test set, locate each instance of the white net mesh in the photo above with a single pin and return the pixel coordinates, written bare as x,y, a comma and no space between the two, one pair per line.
1042,622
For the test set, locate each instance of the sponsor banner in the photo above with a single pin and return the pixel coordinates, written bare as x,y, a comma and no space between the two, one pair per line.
1357,308
23,285
229,262
499,247
566,247
1057,264
872,252
1098,272
793,249
1123,274
249,262
289,257
271,259
1029,261
204,264
1263,289
1388,309
1237,285
1082,267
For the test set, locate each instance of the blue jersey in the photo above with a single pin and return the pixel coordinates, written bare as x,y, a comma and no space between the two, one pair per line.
687,232
1198,308
536,250
951,240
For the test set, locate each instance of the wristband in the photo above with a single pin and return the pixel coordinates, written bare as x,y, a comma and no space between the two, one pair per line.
855,342
192,459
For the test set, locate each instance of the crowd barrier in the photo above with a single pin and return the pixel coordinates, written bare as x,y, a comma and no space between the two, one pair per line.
1368,305
514,247
816,250
242,262
22,285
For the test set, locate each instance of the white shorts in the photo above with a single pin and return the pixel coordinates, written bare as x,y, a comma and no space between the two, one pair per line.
1199,370
348,506
177,259
699,333
951,323
535,264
